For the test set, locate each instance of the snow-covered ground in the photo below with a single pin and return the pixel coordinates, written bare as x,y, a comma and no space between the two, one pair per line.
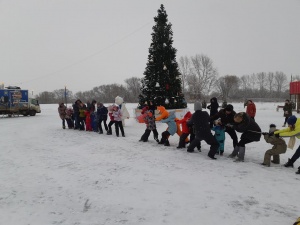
53,176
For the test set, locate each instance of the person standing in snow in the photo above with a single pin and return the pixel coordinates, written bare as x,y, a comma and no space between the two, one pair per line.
200,119
251,109
226,116
213,108
148,117
112,121
185,129
171,130
293,130
76,114
62,113
279,147
219,130
117,114
102,117
287,111
250,132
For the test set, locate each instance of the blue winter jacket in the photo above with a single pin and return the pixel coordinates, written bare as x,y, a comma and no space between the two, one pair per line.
172,128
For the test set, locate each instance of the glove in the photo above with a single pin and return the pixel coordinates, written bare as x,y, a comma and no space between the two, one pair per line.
229,125
271,134
264,133
277,135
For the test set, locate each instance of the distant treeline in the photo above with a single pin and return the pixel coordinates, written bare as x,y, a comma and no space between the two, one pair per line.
261,86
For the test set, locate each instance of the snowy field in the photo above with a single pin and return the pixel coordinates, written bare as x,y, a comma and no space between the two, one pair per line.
54,176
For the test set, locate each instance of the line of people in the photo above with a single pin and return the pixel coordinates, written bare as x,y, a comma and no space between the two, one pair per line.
226,120
89,118
197,126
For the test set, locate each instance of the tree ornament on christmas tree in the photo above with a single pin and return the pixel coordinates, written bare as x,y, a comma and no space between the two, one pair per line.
167,101
167,87
157,85
165,68
164,45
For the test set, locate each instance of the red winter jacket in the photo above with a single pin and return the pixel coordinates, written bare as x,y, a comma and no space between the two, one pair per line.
185,128
251,109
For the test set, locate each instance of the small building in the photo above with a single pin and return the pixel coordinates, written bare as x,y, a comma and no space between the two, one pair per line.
295,90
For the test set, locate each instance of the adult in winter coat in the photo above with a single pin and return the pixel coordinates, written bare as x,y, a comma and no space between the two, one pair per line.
200,119
287,111
293,129
171,130
149,119
213,107
226,116
62,113
251,109
250,132
102,117
76,113
279,147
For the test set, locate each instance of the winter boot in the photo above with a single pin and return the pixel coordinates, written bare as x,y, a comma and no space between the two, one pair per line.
289,164
241,155
156,139
283,125
167,143
234,152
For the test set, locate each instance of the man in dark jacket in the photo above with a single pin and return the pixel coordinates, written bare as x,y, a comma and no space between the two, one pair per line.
200,119
226,115
250,132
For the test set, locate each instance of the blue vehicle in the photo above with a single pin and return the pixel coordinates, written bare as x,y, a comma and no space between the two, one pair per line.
14,101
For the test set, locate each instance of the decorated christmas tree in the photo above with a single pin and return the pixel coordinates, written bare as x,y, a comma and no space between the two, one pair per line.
162,81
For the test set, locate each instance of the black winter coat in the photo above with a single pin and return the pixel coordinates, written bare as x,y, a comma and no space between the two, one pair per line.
213,107
200,120
247,126
102,113
225,118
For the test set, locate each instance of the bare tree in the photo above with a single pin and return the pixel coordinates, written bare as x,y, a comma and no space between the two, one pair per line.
227,84
203,68
280,81
184,68
270,79
134,88
261,80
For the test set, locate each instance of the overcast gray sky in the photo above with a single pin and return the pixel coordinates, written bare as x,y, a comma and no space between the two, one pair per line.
47,44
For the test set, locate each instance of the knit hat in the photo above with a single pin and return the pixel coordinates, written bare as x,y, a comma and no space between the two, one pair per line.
229,108
292,120
197,106
272,128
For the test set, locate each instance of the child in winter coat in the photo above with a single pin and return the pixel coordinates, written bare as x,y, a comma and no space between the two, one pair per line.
88,126
171,130
279,147
112,121
62,113
69,117
148,117
220,136
117,114
185,129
